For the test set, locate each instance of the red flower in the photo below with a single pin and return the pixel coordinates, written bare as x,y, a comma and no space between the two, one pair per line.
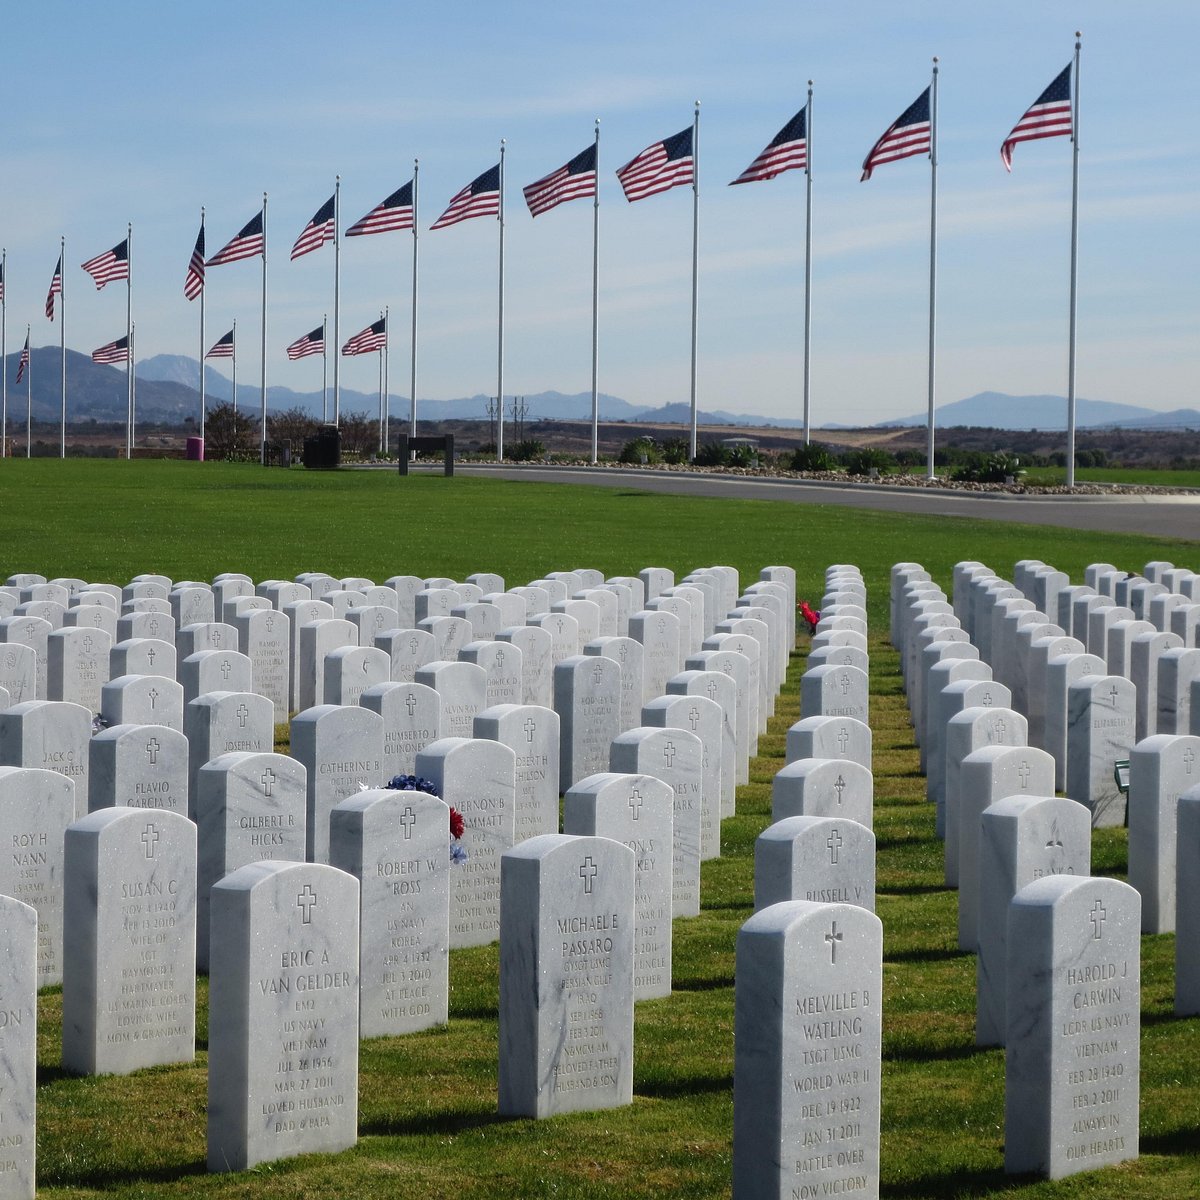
457,826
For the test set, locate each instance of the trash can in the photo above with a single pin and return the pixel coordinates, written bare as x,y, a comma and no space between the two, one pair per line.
194,450
324,449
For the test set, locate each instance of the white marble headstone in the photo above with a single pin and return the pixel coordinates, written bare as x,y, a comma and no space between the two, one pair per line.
826,860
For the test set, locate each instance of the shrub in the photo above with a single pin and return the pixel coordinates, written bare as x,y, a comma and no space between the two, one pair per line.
675,450
862,461
642,449
527,450
988,468
816,456
741,456
712,454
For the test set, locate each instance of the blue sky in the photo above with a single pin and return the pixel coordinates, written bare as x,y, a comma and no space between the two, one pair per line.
143,111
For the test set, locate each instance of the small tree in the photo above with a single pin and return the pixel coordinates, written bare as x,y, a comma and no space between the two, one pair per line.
290,428
228,434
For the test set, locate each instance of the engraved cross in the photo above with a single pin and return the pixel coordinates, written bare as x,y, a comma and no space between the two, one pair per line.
410,702
268,781
530,728
408,819
635,803
1189,759
151,655
839,786
1023,772
150,836
153,695
242,714
834,843
669,753
843,740
587,872
226,668
1098,917
152,748
306,901
833,937
694,718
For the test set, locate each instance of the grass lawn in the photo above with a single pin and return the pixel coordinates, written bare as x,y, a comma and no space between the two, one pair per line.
427,1103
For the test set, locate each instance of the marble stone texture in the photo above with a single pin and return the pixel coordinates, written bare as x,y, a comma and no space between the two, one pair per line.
587,698
1187,905
944,699
225,723
532,733
834,692
674,756
463,689
720,688
350,670
566,976
77,665
142,700
825,860
138,766
504,665
1072,1061
1100,732
1022,838
396,845
129,953
18,672
1178,671
1061,672
479,778
265,639
32,632
283,1014
537,664
830,737
823,787
144,656
627,652
53,734
18,1048
215,671
807,1046
757,680
412,719
316,640
248,807
342,752
736,667
1162,768
986,775
637,811
661,638
36,806
409,650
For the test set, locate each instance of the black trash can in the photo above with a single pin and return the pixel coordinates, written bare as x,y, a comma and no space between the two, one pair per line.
323,451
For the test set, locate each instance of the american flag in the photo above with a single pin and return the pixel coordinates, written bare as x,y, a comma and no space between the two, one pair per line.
317,232
246,244
658,168
23,361
193,283
110,266
786,151
369,340
113,352
480,198
1048,116
310,343
222,347
396,212
572,182
909,134
55,289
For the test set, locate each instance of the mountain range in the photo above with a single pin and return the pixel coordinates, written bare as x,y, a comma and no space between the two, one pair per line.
168,393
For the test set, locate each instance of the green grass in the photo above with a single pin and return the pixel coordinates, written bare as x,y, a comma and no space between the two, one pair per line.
427,1115
1152,477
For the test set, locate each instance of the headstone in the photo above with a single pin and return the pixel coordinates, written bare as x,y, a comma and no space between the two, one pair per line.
656,580
371,620
1178,671
225,723
1100,732
807,1017
283,1014
204,635
138,766
830,737
351,670
823,787
129,956
1187,906
659,635
1144,653
1021,838
564,634
463,689
52,734
265,639
36,806
986,776
342,752
537,667
406,588
298,614
532,733
18,672
1061,672
31,632
412,719
628,654
317,639
503,665
825,860
435,602
77,665
566,976
834,692
1161,769
18,1046
409,650
215,671
674,756
192,606
478,778
737,668
587,698
635,810
945,698
719,688
248,808
395,844
1073,1020
450,635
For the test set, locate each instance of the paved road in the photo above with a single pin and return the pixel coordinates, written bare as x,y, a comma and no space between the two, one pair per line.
1176,517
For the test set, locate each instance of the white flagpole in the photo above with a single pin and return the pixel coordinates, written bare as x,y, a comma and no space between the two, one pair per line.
1074,266
695,263
412,383
325,369
263,430
62,350
807,256
132,381
28,398
596,305
4,354
233,362
203,402
380,365
386,341
130,433
337,298
500,324
929,473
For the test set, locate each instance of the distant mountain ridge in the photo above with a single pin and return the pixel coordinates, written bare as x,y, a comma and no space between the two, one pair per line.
997,410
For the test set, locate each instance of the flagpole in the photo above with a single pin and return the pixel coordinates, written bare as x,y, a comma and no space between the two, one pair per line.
4,352
129,430
1074,269
337,297
28,399
807,256
325,369
412,383
202,399
500,325
929,473
380,448
695,263
263,431
132,382
233,356
62,353
386,424
596,305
